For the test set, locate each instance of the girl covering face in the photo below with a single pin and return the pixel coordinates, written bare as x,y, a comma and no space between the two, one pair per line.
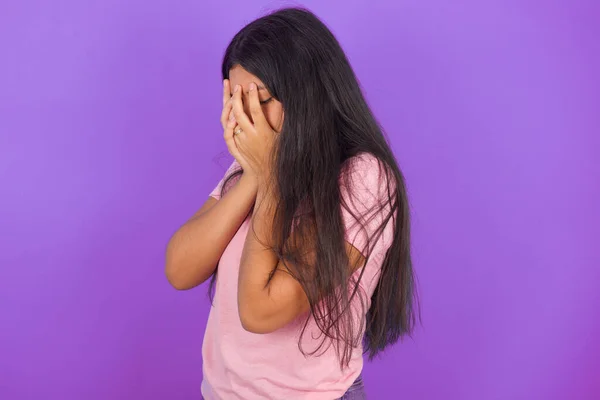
306,239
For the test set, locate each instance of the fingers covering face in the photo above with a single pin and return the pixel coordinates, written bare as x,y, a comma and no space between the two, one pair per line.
255,108
238,110
226,91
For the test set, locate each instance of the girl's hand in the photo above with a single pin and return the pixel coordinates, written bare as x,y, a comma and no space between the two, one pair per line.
229,123
255,140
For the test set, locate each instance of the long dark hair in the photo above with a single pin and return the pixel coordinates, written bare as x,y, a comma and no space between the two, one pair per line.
327,122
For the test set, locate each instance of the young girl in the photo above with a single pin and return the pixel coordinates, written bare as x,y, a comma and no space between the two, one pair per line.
309,227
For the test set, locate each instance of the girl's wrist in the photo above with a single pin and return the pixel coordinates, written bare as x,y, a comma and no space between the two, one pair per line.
250,182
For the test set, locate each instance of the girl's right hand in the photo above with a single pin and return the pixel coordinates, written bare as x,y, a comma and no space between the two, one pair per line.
229,123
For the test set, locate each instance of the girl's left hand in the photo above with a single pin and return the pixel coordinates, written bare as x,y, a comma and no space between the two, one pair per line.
255,141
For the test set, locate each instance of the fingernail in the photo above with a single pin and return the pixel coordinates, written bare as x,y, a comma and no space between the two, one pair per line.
252,86
237,87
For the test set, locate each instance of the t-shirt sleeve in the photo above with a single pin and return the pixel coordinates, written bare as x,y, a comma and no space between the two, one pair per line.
363,192
216,193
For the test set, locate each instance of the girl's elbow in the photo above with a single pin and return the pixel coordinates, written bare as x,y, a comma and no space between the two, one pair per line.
179,277
254,323
176,280
256,326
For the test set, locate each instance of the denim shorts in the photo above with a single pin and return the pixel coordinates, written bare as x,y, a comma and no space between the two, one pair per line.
356,391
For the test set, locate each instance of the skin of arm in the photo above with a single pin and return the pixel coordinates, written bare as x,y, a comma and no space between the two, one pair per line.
265,306
195,249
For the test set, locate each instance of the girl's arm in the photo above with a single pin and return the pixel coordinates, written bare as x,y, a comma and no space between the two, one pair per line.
195,249
265,306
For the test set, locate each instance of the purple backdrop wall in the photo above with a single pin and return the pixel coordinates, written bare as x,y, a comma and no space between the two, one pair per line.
109,138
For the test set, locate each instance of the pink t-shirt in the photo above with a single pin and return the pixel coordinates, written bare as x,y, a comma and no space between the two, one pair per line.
241,365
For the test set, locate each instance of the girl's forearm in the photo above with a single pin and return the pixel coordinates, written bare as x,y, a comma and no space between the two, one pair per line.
195,249
260,310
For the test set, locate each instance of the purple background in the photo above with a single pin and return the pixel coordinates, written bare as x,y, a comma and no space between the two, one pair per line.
109,139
